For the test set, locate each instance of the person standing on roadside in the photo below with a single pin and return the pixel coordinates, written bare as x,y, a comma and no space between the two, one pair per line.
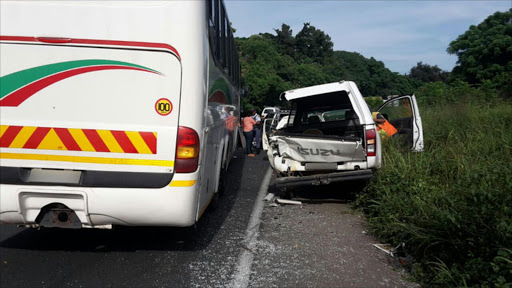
257,128
248,126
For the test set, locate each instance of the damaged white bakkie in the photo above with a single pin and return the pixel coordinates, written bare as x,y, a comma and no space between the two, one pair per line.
330,136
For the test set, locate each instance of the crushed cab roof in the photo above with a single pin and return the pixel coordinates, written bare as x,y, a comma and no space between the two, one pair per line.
316,90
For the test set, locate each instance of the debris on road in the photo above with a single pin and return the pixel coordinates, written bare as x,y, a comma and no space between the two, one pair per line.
269,197
385,247
390,249
289,202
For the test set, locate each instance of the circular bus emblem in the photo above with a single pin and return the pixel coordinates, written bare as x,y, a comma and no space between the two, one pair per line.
163,106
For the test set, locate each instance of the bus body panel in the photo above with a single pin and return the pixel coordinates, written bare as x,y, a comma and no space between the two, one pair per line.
98,103
167,206
155,50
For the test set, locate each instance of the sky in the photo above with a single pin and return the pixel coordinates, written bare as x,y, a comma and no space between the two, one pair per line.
398,33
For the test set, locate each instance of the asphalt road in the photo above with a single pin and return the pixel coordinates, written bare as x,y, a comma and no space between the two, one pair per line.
240,241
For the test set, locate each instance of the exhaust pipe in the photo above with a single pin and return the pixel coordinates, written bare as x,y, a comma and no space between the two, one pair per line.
61,217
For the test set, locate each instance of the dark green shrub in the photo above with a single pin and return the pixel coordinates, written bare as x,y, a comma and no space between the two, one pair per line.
451,204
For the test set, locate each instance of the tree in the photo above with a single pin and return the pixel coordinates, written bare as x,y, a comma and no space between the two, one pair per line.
485,51
371,76
263,70
312,43
285,40
272,64
426,73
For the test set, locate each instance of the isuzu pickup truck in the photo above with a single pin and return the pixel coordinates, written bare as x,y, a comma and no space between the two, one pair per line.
330,135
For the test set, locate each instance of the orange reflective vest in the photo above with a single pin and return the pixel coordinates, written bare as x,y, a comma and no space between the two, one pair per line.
385,129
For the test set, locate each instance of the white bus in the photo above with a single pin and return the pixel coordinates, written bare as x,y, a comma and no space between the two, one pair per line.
115,112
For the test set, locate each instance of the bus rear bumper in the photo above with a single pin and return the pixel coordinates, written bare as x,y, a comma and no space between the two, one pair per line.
101,207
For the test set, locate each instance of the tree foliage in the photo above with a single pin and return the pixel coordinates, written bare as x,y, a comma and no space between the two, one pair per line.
426,73
285,40
485,51
312,43
272,64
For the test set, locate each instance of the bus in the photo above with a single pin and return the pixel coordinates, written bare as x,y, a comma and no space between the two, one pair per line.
115,112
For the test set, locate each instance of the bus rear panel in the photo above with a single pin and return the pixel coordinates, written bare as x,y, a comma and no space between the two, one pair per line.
98,124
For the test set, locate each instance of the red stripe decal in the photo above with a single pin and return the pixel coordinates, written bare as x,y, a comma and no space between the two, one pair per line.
16,98
124,142
36,137
9,135
67,139
99,42
150,140
95,140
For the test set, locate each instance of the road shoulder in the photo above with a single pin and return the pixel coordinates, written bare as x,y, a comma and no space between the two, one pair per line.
322,243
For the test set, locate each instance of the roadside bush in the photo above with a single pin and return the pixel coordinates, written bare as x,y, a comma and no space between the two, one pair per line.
440,93
451,204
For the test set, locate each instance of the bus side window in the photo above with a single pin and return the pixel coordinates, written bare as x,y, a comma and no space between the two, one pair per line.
222,41
228,47
212,27
222,36
216,21
232,57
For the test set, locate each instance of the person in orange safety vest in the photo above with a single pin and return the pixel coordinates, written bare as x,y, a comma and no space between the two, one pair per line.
384,128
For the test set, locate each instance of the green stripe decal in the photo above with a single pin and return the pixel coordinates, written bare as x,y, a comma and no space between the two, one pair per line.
220,85
14,81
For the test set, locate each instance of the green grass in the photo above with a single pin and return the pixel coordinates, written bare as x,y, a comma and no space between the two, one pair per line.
451,204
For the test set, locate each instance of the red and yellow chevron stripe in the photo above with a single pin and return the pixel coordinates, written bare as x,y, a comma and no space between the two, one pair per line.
52,138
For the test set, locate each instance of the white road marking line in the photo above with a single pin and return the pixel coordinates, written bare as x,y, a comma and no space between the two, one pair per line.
243,268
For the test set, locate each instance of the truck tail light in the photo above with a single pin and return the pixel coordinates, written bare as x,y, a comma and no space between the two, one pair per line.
187,150
371,142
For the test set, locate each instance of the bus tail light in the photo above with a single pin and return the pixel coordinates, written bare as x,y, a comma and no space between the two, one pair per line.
187,150
371,142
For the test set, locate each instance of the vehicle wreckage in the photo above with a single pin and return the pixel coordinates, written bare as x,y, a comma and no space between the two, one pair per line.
330,135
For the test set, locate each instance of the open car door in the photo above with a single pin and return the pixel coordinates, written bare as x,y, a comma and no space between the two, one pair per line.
402,112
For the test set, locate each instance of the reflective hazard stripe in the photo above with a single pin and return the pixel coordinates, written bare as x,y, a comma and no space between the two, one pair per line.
51,138
87,159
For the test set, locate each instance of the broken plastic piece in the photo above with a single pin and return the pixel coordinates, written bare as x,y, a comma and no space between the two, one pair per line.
385,247
290,202
269,197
